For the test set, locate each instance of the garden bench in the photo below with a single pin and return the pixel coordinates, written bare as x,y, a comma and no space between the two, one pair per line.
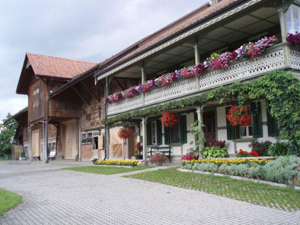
162,149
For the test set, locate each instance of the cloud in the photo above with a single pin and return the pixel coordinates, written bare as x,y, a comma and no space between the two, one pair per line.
77,29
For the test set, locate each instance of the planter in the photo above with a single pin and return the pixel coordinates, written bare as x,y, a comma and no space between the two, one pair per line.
158,163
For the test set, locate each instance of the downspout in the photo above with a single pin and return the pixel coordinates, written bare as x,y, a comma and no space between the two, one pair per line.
47,121
105,116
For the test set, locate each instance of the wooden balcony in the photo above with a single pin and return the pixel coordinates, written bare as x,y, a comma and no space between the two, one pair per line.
281,56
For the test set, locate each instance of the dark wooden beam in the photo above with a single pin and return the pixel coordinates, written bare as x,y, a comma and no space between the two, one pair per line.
90,91
80,95
120,84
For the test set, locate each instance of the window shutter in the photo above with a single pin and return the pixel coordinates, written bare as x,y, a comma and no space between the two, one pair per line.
257,119
231,131
272,126
167,135
149,133
183,135
159,133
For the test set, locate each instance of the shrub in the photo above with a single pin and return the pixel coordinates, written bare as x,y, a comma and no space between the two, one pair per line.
232,170
242,169
261,147
223,168
191,154
279,149
283,170
214,152
220,144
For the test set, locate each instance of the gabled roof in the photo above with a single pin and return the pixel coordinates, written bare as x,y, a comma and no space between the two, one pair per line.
48,67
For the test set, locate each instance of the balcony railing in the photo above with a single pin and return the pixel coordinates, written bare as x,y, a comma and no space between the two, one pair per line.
281,56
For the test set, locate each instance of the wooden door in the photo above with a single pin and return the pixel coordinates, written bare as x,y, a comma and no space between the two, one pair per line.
69,144
209,129
115,148
35,143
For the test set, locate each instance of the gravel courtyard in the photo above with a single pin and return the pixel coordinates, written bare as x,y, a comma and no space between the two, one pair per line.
55,196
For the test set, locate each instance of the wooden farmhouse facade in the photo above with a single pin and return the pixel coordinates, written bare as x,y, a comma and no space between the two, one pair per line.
65,97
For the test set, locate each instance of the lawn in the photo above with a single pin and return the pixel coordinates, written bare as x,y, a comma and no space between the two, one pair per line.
1,159
8,200
259,194
106,170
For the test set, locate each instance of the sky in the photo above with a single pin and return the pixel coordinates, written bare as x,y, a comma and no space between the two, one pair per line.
87,30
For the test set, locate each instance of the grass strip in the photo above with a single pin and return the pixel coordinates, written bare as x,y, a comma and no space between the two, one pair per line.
259,194
8,200
106,170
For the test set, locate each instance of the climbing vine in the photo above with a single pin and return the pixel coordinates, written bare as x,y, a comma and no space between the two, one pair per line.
280,89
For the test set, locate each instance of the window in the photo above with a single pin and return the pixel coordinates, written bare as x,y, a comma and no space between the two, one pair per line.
254,130
153,133
175,138
292,19
246,131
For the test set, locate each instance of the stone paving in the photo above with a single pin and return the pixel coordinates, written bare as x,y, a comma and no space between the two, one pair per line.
55,196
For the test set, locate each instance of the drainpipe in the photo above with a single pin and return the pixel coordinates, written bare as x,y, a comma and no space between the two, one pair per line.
46,158
105,116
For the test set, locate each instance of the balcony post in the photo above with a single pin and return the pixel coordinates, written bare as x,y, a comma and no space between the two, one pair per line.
29,143
199,111
143,81
282,19
107,136
144,132
197,60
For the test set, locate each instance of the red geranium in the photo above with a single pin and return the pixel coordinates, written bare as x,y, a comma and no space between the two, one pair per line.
168,119
238,116
124,133
254,153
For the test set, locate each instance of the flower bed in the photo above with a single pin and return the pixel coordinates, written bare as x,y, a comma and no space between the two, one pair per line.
281,170
117,162
216,61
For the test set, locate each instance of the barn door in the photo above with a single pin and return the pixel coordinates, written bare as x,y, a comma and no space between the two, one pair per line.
35,143
115,148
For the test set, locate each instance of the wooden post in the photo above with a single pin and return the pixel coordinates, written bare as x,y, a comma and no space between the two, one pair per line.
143,81
29,143
197,60
144,132
200,118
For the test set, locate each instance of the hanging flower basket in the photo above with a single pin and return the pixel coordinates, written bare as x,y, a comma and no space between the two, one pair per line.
124,133
168,119
238,116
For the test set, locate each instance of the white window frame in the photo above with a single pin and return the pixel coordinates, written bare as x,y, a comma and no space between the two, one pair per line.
290,18
153,133
247,127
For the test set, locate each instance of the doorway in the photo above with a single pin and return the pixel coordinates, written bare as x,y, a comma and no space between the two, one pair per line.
209,129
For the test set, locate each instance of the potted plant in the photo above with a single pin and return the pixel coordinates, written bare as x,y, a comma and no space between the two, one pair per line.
168,119
238,116
139,150
157,158
124,133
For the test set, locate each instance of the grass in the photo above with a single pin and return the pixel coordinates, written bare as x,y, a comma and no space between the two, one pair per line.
4,159
8,200
106,170
259,194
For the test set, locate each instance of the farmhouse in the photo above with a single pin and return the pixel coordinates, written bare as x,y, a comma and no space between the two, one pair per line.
174,70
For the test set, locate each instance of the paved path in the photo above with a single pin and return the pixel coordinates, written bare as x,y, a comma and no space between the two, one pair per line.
55,196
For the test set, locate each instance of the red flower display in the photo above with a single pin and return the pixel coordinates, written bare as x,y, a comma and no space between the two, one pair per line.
238,116
254,153
168,119
124,133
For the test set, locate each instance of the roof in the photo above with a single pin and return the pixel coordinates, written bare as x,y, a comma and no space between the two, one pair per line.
49,66
187,21
36,65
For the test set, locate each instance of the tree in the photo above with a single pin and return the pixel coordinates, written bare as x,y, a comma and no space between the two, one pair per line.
7,135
